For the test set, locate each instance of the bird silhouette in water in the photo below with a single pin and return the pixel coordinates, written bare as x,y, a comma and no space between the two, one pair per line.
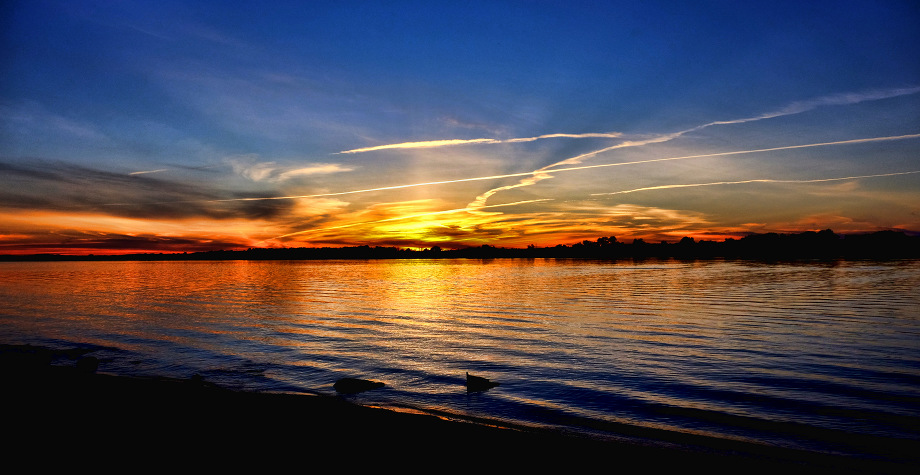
476,383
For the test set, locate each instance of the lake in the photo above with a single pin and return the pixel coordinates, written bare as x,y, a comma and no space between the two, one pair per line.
822,356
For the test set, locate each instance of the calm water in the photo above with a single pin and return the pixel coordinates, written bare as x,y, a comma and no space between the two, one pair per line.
823,356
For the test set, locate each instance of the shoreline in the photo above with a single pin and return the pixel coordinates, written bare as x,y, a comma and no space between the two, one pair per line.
808,245
83,413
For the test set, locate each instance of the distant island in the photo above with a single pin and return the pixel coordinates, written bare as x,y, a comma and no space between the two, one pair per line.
769,246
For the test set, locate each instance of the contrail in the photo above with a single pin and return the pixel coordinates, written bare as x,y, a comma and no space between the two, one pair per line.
149,171
791,109
569,169
541,173
586,167
757,180
449,142
831,100
409,216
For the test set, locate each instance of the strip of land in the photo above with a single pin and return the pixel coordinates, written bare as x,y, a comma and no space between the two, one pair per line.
59,416
770,246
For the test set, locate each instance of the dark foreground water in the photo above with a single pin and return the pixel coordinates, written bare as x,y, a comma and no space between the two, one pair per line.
820,356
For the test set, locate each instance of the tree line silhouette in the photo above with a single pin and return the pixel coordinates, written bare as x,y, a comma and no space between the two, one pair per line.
770,246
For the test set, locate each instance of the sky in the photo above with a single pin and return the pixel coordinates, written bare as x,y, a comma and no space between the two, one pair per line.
161,126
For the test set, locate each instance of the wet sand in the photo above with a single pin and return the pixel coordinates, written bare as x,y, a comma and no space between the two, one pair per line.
62,416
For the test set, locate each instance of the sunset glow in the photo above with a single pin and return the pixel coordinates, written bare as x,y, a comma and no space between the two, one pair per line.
171,128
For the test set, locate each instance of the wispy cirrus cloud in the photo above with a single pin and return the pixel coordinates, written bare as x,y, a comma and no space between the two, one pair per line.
53,186
547,172
755,180
315,169
452,142
843,99
144,172
543,173
791,109
272,172
30,119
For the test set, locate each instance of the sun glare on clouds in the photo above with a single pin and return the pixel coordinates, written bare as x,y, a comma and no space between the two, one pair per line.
228,126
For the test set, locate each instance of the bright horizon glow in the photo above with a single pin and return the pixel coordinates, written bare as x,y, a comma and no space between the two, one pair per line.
170,128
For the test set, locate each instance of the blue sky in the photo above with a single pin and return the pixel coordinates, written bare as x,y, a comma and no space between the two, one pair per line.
196,125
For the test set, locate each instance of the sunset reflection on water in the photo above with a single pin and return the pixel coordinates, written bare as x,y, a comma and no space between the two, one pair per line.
694,346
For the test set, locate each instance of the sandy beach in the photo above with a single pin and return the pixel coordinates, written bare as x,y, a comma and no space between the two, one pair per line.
70,416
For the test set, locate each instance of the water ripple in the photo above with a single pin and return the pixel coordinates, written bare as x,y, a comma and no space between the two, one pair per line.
812,355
